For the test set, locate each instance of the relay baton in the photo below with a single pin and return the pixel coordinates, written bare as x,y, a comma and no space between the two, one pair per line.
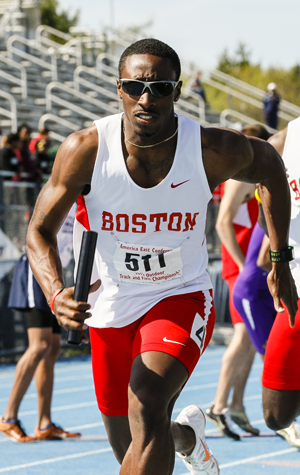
83,277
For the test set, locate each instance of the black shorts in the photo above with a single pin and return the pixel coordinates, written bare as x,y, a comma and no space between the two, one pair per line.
36,318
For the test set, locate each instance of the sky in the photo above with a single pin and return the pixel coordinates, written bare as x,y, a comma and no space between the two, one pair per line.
200,30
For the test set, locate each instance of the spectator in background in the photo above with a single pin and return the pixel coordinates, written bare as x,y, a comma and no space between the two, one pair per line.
27,162
8,156
43,135
271,104
1,138
42,154
44,346
196,86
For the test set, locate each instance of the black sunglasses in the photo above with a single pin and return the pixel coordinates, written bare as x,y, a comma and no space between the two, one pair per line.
134,87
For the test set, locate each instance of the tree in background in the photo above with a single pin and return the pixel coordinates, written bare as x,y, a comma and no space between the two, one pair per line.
239,61
240,66
60,21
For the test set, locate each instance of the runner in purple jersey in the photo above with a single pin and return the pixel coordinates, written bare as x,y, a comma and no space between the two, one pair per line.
251,295
254,303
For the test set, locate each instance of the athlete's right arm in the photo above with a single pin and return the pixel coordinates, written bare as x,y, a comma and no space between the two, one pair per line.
263,259
235,194
72,171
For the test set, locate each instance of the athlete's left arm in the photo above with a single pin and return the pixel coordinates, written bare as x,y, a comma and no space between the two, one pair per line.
268,170
231,155
263,259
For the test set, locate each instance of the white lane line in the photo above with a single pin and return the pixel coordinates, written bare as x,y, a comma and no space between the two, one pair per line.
259,457
62,408
85,426
208,404
217,371
254,423
83,367
73,378
252,459
213,385
57,391
54,460
58,380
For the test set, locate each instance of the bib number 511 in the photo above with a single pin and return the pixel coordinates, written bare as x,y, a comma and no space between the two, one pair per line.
132,261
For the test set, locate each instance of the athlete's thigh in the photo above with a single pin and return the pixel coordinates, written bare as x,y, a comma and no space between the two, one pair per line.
258,314
281,365
38,318
234,314
111,363
180,326
39,337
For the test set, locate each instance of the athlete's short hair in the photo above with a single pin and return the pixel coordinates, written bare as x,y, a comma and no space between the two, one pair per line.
155,47
256,130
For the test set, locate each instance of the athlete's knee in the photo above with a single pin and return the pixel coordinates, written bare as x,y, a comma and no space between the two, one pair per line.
40,350
277,420
149,404
54,351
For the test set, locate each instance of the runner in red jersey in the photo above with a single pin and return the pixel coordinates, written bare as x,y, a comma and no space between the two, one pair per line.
238,214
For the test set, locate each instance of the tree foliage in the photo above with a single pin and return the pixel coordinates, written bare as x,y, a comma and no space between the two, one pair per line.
240,66
239,61
51,17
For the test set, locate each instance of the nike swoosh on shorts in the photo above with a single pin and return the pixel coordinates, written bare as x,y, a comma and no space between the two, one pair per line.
171,341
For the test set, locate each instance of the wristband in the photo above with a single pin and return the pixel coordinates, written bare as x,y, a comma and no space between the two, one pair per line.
256,194
282,256
56,293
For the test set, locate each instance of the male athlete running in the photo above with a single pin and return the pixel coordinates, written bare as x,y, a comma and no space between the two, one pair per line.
281,375
143,180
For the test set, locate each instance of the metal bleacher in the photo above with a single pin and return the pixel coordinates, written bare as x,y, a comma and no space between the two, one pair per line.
65,81
74,81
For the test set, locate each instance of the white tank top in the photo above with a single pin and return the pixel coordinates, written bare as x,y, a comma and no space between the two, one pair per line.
291,160
151,241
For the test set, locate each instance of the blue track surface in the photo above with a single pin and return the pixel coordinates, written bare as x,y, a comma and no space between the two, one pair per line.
74,408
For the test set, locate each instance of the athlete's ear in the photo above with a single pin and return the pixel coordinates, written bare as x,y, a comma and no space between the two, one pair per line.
119,87
178,91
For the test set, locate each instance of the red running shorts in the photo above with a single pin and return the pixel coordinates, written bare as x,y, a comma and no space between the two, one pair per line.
281,364
180,326
234,314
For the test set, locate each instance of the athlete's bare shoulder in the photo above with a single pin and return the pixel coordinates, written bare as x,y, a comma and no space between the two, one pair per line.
76,156
225,152
278,140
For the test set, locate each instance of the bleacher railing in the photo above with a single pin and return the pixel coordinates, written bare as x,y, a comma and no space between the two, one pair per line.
36,59
228,113
231,91
52,118
52,98
20,81
10,114
253,91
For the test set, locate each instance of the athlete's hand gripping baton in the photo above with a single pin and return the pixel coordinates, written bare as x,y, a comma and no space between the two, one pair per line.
83,277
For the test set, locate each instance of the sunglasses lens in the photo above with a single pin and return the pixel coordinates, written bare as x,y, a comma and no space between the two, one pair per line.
157,89
162,89
133,88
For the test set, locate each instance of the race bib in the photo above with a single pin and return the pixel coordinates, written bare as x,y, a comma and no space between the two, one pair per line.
141,264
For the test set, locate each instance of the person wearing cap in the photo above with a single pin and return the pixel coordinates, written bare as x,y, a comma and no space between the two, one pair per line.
271,104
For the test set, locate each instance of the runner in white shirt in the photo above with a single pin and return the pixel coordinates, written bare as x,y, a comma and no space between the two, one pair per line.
143,181
281,375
